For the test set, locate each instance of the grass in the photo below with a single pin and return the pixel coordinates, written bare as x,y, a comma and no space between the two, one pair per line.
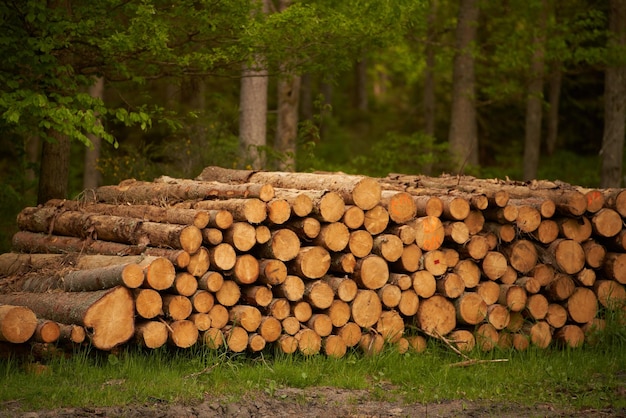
590,377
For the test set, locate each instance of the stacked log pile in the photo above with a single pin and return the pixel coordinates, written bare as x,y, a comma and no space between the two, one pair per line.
316,263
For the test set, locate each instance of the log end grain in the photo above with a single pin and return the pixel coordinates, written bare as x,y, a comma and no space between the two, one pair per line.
17,323
112,318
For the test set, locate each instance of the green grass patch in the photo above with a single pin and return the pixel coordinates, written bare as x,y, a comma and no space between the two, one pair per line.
589,377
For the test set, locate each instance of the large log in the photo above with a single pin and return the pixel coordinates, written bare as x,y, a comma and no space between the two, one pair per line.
108,313
17,323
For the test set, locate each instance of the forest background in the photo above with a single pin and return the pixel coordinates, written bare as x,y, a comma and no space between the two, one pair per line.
93,93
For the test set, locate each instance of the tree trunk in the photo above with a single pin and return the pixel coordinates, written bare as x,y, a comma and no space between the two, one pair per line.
55,168
614,100
554,97
253,108
287,125
534,100
463,135
428,96
109,313
92,177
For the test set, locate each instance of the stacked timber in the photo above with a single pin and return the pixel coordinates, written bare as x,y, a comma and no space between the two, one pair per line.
316,262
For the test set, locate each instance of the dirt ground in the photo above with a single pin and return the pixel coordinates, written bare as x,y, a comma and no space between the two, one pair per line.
314,402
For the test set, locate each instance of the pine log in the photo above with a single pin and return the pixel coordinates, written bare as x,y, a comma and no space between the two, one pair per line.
513,297
278,211
213,338
185,284
151,334
529,284
321,324
470,308
360,243
306,228
390,326
148,303
350,334
333,236
246,316
241,235
428,205
469,272
288,344
74,334
494,265
291,325
312,262
256,343
540,334
270,329
319,294
334,346
302,310
376,220
615,266
606,223
456,231
46,332
556,316
435,262
487,337
291,289
219,316
409,303
202,301
462,339
522,255
570,335
229,293
17,323
211,281
353,217
249,210
371,272
202,321
152,213
517,321
423,283
220,219
546,207
429,232
159,273
537,306
490,291
309,342
199,262
339,313
343,287
503,215
498,316
476,248
402,280
11,263
262,234
509,276
451,286
528,218
417,343
388,246
177,307
586,277
577,229
410,258
474,222
582,305
436,316
400,206
543,273
109,313
454,207
390,295
610,293
616,199
560,288
547,231
236,338
272,272
366,308
300,202
222,257
246,269
479,201
594,253
328,207
371,343
260,296
342,263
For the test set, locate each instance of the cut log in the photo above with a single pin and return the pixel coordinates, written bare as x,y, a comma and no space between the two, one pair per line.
236,338
74,334
606,223
319,294
469,272
540,334
477,247
546,207
256,343
329,207
287,344
510,276
262,234
202,301
353,217
513,297
220,219
494,265
409,303
436,316
487,337
402,280
109,313
199,262
474,222
250,210
343,263
390,295
400,205
388,246
360,243
151,334
300,202
305,228
435,262
417,343
278,211
594,253
272,272
429,232
409,260
185,284
570,335
376,220
405,232
516,321
213,338
279,308
246,269
309,342
537,307
490,291
576,229
556,316
270,329
211,281
350,334
177,307
371,344
528,218
148,303
302,311
610,293
428,205
543,273
560,288
451,286
246,316
17,323
334,346
291,289
505,214
615,266
219,316
343,287
522,255
333,236
291,325
462,339
229,293
498,316
456,232
159,274
582,305
311,262
390,326
455,208
371,272
241,235
222,257
321,324
586,277
339,313
471,309
424,283
547,232
366,308
260,296
529,284
202,321
46,332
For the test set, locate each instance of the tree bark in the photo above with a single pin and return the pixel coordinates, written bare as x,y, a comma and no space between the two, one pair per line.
92,177
54,171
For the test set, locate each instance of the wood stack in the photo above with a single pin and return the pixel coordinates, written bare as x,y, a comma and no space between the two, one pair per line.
316,263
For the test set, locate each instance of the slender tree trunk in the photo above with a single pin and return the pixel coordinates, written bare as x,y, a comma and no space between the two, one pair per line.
556,77
360,88
287,123
614,101
534,101
193,96
306,97
429,99
463,131
326,111
253,110
32,151
55,168
91,175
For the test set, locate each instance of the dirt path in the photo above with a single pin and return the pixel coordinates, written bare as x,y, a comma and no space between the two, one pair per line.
314,402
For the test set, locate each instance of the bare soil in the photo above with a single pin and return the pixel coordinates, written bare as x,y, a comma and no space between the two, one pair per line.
314,402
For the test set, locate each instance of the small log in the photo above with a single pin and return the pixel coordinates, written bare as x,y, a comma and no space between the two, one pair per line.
220,219
476,247
17,323
498,316
371,272
429,232
469,272
528,218
456,232
586,277
390,326
343,263
334,346
246,316
211,281
236,338
537,307
177,307
540,334
291,289
462,339
435,262
513,297
501,214
202,301
390,295
451,286
371,344
291,325
287,344
199,262
543,273
405,232
606,223
494,265
388,246
148,303
428,205
360,243
202,321
241,235
329,207
260,296
311,262
400,206
547,231
409,260
321,324
582,305
474,222
109,313
576,229
262,234
151,334
529,284
256,343
185,284
219,316
436,315
213,338
487,337
366,308
229,293
417,343
212,236
560,288
246,269
516,321
350,334
570,335
46,332
159,274
353,217
300,202
423,283
333,236
409,303
610,293
556,316
278,211
343,287
615,266
545,206
402,280
594,253
302,311
272,272
270,329
490,291
74,334
339,313
309,342
319,294
305,228
470,308
376,220
455,208
510,276
222,257
522,255
249,210
616,199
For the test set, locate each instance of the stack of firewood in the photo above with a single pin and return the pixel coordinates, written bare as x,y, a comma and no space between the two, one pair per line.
316,262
